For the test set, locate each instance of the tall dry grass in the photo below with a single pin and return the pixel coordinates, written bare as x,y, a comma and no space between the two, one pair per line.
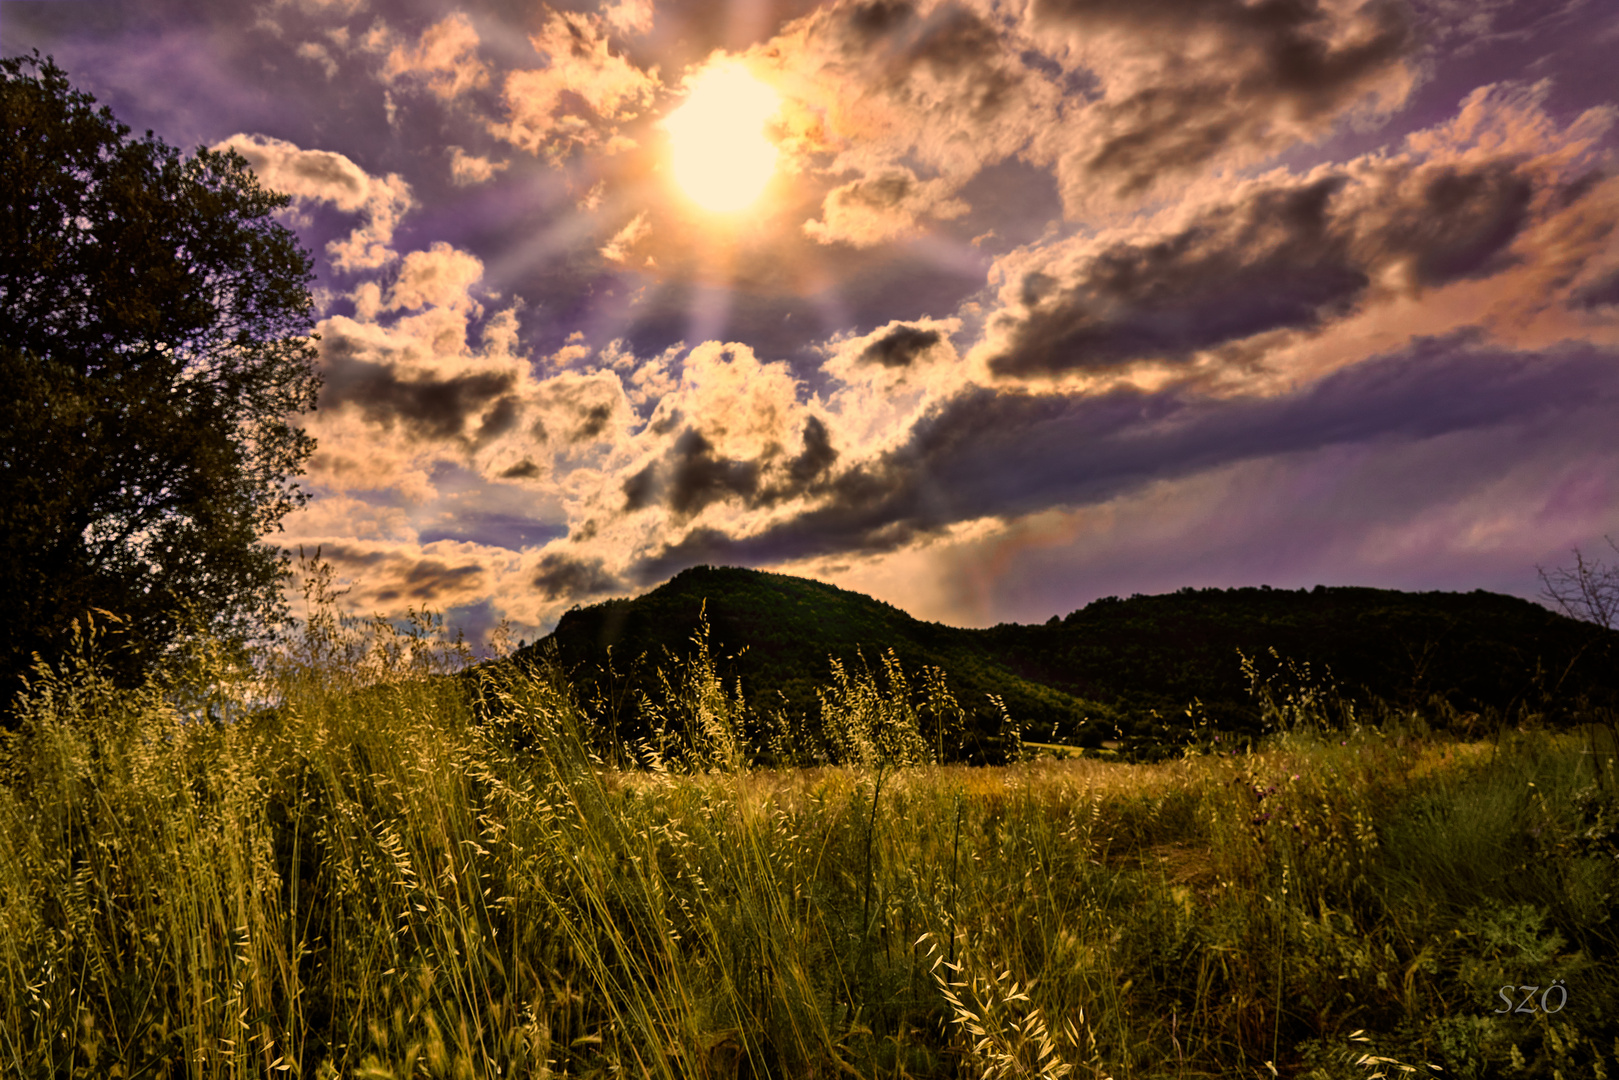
354,862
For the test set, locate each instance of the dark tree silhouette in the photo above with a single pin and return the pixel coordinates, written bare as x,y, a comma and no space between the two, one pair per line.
155,349
1588,590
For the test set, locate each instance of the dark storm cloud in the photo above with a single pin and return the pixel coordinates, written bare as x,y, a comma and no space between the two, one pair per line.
430,408
989,452
818,454
1287,46
579,409
641,489
900,346
696,548
561,577
429,580
1221,76
692,476
956,40
398,575
344,555
1272,261
869,22
697,477
523,470
952,41
499,420
1603,292
592,422
916,101
1287,254
1450,222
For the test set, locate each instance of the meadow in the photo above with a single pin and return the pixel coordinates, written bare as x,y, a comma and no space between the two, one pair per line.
351,862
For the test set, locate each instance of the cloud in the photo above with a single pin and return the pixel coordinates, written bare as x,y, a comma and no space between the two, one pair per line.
324,176
1279,253
690,476
352,456
1601,292
911,100
577,99
741,405
389,578
435,407
403,393
343,8
574,410
729,439
629,16
414,388
1475,508
882,208
1510,119
1003,454
337,514
317,53
320,175
1469,25
618,248
1183,85
445,59
441,276
562,577
900,346
466,169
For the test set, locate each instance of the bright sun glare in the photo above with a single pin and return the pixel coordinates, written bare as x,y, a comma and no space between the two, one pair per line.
721,157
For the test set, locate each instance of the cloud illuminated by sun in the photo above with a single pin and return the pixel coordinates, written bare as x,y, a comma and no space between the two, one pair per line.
719,153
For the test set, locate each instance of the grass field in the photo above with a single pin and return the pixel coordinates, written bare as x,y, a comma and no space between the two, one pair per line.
398,874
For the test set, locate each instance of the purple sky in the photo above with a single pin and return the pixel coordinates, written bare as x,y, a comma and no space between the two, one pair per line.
1045,300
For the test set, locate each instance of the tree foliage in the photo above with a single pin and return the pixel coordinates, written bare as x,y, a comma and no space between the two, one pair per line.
155,348
1129,669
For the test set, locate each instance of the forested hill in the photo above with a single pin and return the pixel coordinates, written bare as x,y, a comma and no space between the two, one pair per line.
1130,665
1477,651
778,633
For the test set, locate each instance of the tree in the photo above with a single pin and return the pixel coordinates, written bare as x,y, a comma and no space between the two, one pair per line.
155,349
1588,590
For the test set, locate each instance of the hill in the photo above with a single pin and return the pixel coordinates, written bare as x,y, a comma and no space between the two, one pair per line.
1116,669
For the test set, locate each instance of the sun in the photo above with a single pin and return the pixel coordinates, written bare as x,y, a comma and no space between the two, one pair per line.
719,153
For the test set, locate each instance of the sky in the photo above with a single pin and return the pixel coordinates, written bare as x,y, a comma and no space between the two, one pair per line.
987,308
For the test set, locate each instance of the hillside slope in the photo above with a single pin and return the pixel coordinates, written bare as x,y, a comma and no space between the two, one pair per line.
777,634
1114,668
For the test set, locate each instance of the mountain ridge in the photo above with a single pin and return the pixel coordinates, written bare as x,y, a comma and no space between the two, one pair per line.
1133,669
